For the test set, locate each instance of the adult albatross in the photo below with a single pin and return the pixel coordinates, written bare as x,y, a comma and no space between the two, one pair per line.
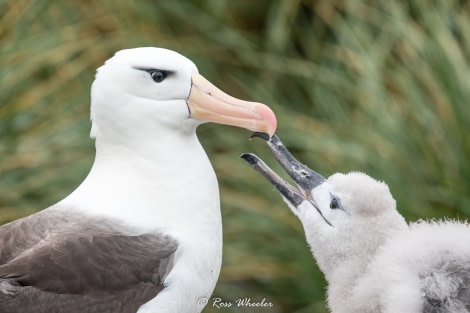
143,232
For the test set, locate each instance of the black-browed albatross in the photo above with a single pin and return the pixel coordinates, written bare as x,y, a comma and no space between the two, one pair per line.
373,260
143,232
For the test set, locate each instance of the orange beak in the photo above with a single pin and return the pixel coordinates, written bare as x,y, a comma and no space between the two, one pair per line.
208,103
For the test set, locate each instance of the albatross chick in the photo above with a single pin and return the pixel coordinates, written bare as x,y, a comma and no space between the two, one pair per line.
373,261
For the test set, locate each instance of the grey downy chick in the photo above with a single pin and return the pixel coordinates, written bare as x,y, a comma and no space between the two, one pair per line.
372,259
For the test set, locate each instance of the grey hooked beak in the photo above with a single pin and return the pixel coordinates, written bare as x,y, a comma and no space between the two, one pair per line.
305,178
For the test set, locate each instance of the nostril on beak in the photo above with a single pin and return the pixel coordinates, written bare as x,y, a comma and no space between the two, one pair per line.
305,174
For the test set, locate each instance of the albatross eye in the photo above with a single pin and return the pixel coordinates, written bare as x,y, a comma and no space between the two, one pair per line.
334,204
158,75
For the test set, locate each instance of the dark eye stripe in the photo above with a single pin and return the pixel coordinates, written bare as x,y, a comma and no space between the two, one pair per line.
156,74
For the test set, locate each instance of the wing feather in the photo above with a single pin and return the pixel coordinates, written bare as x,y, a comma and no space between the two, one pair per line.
447,289
53,262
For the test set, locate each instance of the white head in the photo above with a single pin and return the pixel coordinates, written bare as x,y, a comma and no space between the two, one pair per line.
345,217
139,93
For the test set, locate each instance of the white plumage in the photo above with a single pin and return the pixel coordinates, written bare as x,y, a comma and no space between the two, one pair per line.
143,232
373,261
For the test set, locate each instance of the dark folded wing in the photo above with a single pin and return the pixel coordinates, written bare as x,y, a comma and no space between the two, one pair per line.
53,262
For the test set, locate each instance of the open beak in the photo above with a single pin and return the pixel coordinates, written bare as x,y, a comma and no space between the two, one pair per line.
305,178
289,192
208,103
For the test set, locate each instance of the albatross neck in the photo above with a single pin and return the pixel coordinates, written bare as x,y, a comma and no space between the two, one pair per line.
169,181
159,151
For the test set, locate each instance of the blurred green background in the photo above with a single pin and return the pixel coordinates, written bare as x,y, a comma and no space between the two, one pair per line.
377,86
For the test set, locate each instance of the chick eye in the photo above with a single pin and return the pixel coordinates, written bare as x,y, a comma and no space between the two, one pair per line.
334,204
158,75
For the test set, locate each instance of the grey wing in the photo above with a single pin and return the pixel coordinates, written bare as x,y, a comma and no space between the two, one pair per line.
61,263
447,290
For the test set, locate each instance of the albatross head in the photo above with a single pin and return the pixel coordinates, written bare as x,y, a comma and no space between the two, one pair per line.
345,217
145,90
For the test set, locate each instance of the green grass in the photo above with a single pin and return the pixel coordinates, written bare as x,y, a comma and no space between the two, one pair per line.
376,86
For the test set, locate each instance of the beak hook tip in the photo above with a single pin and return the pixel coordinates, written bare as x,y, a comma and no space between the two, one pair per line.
250,158
261,135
